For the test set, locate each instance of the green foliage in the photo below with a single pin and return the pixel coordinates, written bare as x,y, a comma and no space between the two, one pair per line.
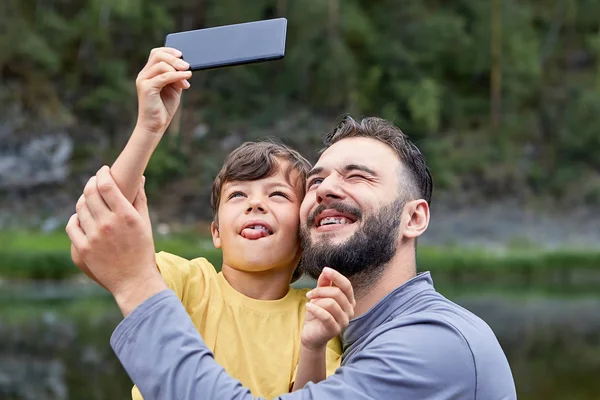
424,65
30,255
167,164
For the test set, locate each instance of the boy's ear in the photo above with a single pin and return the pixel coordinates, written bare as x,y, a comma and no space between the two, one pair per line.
216,237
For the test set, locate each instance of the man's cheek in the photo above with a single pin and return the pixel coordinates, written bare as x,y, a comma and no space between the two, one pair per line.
304,209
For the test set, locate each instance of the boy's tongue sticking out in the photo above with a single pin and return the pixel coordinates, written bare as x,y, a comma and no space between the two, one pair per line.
255,232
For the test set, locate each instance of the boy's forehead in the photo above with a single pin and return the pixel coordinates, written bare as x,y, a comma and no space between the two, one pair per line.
282,175
276,179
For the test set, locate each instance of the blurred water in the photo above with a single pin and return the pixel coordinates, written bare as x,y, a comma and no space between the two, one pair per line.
55,339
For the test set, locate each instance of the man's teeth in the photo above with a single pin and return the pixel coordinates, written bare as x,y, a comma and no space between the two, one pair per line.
333,220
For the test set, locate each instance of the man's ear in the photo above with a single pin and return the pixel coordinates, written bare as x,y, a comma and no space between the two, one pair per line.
216,236
415,218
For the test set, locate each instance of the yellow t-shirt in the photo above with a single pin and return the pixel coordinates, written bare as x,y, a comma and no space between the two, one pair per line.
256,341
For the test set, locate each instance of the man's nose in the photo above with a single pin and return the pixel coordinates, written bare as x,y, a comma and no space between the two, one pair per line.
329,190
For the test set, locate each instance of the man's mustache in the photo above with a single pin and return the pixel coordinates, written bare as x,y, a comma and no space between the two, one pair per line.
340,207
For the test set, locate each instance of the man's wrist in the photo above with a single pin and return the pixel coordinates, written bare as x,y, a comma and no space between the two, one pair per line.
130,295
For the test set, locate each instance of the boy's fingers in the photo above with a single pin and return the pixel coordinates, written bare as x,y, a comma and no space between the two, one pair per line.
335,294
180,85
340,317
155,70
170,59
158,60
174,52
340,281
322,315
184,84
324,280
162,80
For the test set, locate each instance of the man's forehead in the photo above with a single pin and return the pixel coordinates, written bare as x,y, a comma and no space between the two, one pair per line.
357,150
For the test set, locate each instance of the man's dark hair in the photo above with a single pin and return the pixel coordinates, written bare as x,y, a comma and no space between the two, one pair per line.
421,183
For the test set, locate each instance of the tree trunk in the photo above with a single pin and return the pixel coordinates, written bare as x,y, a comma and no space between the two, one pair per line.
281,8
334,17
496,67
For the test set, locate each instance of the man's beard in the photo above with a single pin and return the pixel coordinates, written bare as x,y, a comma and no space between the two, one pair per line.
365,254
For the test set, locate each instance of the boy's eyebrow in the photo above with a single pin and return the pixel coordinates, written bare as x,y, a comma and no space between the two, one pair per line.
279,184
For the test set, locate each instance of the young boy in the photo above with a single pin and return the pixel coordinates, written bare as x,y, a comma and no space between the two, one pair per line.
258,327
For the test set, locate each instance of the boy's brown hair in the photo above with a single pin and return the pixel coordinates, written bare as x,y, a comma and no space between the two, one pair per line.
258,160
252,161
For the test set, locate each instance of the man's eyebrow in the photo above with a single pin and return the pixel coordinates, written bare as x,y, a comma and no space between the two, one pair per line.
314,171
358,167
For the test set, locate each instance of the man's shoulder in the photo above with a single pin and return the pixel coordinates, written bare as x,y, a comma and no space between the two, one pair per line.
445,336
433,309
432,314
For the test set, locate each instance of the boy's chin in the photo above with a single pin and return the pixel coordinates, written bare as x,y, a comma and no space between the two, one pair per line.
258,264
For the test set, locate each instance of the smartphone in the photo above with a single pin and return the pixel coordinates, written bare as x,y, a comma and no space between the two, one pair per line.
227,45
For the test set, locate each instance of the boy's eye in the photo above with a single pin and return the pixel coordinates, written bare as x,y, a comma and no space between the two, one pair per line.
280,194
235,194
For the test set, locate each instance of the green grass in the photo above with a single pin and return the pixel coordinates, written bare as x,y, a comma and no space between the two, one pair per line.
31,255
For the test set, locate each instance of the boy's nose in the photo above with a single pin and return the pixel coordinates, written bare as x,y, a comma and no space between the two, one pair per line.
255,205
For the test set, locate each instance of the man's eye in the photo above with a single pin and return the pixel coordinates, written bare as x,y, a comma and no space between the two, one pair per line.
315,181
357,176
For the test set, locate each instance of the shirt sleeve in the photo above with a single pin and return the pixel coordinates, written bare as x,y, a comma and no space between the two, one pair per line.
192,281
175,271
166,358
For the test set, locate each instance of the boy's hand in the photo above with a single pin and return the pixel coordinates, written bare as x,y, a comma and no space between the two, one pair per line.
159,87
330,309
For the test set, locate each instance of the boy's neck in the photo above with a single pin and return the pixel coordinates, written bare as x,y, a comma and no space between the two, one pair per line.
266,285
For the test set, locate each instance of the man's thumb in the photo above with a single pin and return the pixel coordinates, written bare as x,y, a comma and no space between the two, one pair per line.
141,201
